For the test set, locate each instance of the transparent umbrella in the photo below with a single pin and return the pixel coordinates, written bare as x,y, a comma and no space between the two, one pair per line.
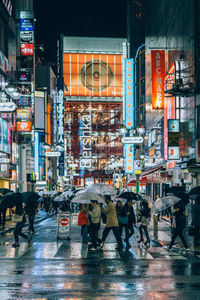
67,194
50,193
164,203
86,198
101,189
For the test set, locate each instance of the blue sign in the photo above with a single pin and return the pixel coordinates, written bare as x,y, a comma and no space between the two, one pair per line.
26,25
129,159
129,93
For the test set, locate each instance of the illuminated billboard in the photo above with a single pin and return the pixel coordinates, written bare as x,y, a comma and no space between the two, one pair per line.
24,114
26,49
23,126
158,77
98,75
129,94
4,136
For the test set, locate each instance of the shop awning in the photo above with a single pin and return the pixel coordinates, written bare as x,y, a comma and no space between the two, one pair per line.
152,170
133,182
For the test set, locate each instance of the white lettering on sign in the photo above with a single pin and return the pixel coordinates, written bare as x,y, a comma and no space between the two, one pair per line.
85,137
60,117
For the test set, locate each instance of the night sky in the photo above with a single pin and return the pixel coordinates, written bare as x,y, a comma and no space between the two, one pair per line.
104,18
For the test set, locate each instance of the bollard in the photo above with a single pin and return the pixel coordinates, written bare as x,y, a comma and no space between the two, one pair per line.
155,226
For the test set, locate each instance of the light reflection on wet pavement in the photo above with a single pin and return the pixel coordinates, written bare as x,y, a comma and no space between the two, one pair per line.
50,269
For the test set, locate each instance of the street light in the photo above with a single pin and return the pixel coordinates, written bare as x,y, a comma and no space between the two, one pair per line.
46,146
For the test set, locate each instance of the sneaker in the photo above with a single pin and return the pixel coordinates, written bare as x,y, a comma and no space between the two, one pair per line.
101,245
15,245
92,249
167,248
29,239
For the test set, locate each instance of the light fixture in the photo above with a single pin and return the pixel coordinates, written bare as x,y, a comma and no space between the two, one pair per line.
141,130
123,130
46,146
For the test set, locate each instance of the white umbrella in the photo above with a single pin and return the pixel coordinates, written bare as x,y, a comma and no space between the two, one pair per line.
47,193
164,203
58,199
101,189
86,198
67,194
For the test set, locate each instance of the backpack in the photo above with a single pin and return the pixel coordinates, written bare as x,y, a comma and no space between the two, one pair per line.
82,219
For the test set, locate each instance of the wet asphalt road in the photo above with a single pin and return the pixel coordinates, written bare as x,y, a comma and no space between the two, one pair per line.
51,269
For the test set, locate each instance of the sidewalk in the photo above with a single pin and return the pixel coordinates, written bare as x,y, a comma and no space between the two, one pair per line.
40,216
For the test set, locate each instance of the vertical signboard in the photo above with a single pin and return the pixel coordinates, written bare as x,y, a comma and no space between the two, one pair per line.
158,77
129,94
60,128
169,106
173,139
129,159
85,138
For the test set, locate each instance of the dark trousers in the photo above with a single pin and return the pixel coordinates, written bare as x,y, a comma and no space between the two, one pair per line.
2,217
116,234
31,221
125,226
130,229
141,228
18,232
196,235
93,233
178,232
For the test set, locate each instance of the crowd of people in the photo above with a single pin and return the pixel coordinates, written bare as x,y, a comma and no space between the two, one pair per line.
117,218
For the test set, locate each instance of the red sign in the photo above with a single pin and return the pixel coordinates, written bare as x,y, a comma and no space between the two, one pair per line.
26,49
23,126
64,221
158,77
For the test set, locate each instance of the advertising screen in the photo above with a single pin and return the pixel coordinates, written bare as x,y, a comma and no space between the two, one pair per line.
39,113
96,75
24,114
4,136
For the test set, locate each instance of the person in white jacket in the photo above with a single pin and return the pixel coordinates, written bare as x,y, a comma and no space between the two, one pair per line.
95,218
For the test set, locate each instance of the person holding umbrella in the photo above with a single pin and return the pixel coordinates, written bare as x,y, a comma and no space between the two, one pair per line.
95,217
180,219
111,223
131,217
19,226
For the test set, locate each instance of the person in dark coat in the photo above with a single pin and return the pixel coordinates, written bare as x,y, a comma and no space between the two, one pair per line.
180,219
131,217
123,221
195,212
31,210
19,226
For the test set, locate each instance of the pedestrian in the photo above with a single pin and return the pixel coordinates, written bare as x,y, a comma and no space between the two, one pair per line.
84,222
180,220
3,217
19,226
195,212
46,204
95,217
144,220
65,205
131,217
111,223
123,221
31,210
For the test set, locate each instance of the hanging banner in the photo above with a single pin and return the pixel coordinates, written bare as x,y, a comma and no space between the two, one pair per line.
60,129
129,94
129,159
158,77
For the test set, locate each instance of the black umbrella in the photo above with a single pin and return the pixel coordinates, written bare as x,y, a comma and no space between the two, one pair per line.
9,201
128,195
30,198
194,193
4,191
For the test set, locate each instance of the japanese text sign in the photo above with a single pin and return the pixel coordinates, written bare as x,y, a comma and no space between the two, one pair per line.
129,94
129,159
158,77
